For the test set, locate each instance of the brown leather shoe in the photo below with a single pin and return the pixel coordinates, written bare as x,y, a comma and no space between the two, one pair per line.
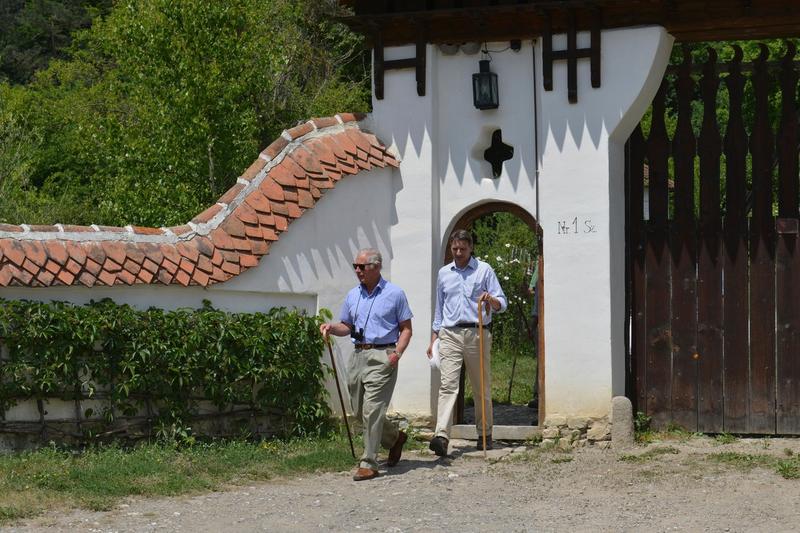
397,450
362,474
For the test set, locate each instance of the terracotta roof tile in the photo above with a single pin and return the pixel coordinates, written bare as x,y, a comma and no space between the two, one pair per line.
41,227
248,261
69,228
253,170
145,275
180,230
207,215
231,194
260,247
183,278
325,122
285,181
126,277
87,279
92,266
149,266
132,267
258,201
201,278
139,230
107,278
52,267
272,190
35,252
275,148
64,277
300,130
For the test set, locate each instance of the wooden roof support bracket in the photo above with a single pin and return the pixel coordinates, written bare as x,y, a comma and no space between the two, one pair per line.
571,54
381,65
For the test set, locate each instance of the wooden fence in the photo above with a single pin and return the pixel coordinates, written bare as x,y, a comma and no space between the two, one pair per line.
714,270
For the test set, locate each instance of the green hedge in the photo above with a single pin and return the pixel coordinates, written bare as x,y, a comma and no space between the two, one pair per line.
169,359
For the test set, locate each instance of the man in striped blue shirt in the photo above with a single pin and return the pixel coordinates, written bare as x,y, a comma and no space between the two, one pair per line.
459,287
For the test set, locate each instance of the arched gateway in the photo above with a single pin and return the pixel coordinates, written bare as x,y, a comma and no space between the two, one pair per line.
545,135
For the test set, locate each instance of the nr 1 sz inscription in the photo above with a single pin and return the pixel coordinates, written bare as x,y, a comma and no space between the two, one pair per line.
576,226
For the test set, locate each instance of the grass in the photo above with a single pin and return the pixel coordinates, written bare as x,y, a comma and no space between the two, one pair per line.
648,455
788,468
502,363
99,478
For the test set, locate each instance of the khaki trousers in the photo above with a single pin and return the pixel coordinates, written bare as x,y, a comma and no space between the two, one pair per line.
459,346
371,380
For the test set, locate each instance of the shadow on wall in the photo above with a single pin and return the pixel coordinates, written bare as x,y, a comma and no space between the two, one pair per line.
315,255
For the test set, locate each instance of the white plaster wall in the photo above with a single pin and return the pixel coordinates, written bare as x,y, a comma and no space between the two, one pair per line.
309,268
441,137
581,179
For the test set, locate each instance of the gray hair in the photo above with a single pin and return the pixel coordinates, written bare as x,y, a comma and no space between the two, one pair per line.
461,235
374,257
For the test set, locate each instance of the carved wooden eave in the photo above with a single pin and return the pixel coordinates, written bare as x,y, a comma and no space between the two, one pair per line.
455,21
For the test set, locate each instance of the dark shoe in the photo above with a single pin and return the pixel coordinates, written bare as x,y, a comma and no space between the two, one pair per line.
488,442
362,474
397,450
439,446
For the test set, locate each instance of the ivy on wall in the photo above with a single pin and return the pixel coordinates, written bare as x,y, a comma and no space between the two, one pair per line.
168,361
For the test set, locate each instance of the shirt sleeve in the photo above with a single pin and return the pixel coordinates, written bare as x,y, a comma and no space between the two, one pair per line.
493,287
437,313
403,309
344,314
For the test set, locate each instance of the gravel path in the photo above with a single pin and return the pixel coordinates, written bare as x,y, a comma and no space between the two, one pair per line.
517,490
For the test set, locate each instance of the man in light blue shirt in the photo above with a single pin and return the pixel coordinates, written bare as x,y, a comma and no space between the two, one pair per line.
459,287
377,317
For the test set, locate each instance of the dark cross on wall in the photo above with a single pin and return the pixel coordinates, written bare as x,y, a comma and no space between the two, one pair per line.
497,153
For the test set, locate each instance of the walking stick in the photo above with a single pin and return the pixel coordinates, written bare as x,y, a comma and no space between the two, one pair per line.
481,300
341,399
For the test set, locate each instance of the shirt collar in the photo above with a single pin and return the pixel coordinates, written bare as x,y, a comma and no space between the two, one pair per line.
472,264
381,284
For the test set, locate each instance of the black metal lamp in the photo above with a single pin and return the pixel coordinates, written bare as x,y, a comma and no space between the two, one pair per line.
484,87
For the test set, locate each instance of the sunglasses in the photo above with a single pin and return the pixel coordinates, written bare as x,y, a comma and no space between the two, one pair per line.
361,266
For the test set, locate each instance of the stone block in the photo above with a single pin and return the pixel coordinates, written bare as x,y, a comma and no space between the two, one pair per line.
622,433
547,443
577,422
599,431
555,420
550,433
604,445
564,444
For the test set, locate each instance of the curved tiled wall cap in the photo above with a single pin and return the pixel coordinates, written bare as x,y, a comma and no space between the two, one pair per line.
229,237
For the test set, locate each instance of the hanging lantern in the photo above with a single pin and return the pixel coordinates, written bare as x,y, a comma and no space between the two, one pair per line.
484,87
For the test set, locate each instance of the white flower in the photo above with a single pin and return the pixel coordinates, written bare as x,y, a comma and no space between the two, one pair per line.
505,278
499,258
508,245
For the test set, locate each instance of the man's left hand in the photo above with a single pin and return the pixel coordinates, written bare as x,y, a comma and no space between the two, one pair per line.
491,301
394,358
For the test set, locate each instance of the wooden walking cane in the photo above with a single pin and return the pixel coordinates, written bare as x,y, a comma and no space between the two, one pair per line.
341,399
481,301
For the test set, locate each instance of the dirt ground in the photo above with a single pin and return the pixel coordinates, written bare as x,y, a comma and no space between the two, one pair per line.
675,486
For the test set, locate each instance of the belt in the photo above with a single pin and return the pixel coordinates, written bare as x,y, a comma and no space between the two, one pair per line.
375,346
471,325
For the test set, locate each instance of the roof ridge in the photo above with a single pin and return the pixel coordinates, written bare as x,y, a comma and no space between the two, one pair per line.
287,178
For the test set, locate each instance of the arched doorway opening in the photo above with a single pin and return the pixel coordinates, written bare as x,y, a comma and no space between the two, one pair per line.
510,239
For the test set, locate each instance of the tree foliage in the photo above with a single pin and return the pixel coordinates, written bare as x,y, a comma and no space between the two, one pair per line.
160,105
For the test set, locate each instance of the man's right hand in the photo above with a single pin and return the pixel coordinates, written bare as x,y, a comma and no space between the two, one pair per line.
325,330
430,351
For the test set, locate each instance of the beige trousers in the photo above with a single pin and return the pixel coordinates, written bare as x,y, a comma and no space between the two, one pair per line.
459,346
371,380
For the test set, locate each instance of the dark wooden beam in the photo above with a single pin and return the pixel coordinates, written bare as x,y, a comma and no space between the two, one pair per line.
687,20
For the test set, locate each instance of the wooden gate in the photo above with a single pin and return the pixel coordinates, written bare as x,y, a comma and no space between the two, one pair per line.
713,248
